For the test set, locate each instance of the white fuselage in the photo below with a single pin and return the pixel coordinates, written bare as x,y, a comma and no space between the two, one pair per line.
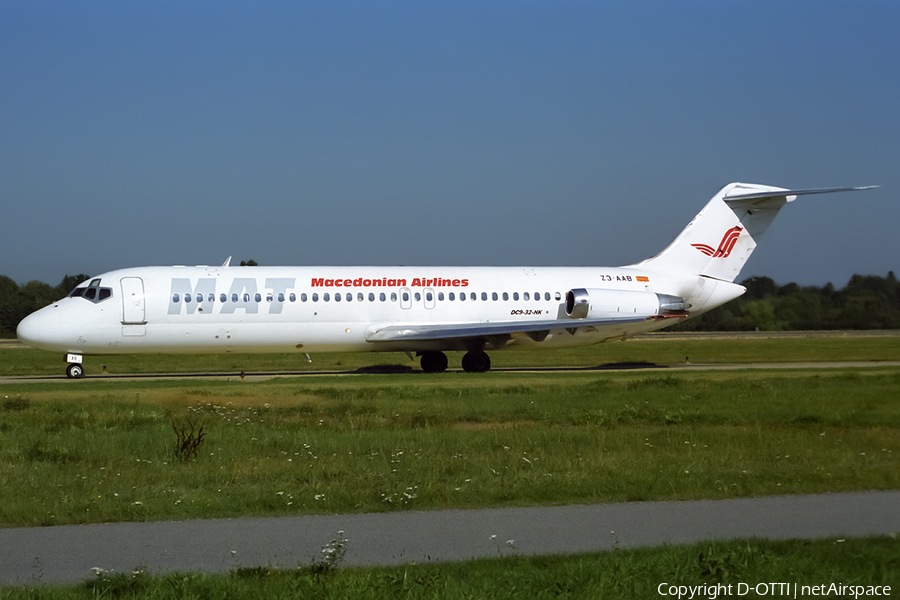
316,309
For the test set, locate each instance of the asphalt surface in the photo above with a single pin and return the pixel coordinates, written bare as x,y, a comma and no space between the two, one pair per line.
385,369
49,555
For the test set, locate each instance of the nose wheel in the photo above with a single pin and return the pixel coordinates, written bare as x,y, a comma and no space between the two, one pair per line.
75,371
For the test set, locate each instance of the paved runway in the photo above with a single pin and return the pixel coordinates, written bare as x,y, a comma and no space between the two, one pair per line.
68,553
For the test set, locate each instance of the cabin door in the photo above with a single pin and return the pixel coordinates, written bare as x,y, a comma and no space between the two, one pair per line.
134,311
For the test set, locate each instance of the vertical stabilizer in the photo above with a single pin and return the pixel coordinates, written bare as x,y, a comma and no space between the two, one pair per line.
720,239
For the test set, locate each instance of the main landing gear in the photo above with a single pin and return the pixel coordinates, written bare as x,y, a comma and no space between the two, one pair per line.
434,362
472,362
476,362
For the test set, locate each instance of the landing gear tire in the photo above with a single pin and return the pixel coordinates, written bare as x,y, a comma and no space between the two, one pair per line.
74,371
476,362
434,362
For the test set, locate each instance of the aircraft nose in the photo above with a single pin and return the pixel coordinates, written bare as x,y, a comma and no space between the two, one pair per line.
29,330
42,329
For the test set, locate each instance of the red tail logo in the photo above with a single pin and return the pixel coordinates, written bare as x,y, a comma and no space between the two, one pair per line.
725,246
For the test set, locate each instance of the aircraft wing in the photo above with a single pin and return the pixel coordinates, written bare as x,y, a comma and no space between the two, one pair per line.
536,329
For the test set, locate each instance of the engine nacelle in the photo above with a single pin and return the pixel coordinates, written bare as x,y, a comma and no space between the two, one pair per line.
600,303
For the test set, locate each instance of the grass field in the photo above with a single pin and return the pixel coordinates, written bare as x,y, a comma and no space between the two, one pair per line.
100,450
104,450
659,349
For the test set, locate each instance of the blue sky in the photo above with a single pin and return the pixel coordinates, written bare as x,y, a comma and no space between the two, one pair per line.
441,133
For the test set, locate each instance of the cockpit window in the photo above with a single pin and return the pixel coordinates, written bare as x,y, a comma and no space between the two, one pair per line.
93,292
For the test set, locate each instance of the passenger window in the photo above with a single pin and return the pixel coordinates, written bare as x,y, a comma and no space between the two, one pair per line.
546,295
558,296
337,297
484,295
393,296
223,298
418,296
246,297
280,297
371,296
199,298
515,296
326,297
505,296
293,297
315,297
525,296
360,297
302,297
440,296
537,296
452,296
429,296
269,297
258,297
462,296
494,296
234,297
187,297
472,296
90,294
382,297
406,296
349,297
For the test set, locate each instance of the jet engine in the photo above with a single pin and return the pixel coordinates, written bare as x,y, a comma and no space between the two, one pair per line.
603,303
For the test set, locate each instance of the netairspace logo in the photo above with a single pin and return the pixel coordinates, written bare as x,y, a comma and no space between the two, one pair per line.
787,590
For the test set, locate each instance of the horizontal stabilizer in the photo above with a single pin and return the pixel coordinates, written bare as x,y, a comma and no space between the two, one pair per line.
739,200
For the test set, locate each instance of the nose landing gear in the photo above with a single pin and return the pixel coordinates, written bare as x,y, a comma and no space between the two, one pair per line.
74,371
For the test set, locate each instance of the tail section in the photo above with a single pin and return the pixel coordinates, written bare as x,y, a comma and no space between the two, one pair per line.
720,239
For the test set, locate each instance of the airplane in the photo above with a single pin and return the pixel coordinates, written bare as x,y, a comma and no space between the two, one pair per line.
421,310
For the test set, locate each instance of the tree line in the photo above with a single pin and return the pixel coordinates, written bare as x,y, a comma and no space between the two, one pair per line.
17,302
866,302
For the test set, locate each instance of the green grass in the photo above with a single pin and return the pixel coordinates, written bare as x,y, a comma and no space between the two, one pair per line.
621,573
104,450
659,349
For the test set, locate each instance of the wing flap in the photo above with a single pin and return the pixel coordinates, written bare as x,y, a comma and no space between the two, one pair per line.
457,331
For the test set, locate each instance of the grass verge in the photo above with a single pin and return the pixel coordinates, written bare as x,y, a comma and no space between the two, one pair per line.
17,360
632,573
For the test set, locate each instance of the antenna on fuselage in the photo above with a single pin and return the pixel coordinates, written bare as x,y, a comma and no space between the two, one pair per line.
227,262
